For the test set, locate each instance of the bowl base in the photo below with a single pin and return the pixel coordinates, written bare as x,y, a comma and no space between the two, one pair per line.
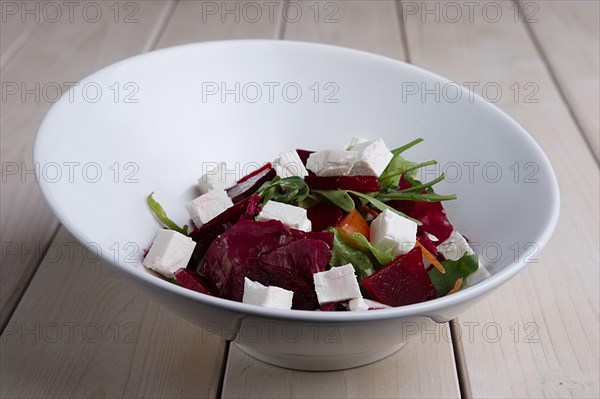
319,363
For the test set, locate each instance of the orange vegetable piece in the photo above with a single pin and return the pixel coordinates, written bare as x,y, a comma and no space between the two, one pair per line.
353,222
431,258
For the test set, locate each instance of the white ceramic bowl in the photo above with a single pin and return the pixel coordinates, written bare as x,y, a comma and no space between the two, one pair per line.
153,122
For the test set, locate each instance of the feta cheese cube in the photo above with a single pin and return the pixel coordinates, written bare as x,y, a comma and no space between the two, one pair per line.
371,304
217,177
292,216
169,252
207,206
372,158
270,297
336,284
455,247
390,230
289,164
358,305
331,162
354,140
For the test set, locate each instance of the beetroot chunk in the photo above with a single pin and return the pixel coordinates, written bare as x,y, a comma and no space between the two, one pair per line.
364,184
248,185
193,281
303,155
234,252
403,282
324,215
270,253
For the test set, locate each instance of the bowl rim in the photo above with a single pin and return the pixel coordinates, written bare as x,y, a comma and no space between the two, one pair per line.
432,308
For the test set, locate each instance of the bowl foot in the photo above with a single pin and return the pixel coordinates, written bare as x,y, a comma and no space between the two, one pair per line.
319,363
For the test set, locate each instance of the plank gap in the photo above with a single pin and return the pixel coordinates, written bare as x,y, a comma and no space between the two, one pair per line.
462,371
280,32
27,279
224,362
403,33
554,78
161,25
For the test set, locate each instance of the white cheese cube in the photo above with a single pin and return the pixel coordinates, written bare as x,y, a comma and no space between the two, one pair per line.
354,140
270,297
289,164
390,230
169,252
336,284
217,177
372,158
292,216
331,162
371,304
358,305
207,206
455,247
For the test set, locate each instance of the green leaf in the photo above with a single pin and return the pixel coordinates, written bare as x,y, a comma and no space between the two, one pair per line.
405,147
161,215
455,269
290,190
391,175
359,241
382,206
343,253
409,196
339,198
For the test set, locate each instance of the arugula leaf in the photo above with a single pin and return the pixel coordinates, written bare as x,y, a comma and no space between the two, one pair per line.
410,196
382,206
391,174
161,215
455,269
360,242
343,253
405,147
290,190
340,198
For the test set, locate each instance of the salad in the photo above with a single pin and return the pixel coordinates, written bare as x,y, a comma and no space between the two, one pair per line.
348,229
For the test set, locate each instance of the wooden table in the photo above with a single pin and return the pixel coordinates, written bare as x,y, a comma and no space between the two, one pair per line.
72,328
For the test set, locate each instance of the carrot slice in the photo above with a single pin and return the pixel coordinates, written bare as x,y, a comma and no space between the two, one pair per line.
456,286
353,222
431,258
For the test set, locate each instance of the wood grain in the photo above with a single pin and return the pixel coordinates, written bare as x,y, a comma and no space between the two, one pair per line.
196,21
81,330
554,303
420,369
55,55
567,33
423,368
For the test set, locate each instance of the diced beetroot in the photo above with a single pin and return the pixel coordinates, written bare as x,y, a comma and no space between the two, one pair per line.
304,154
402,282
303,258
426,241
254,207
270,253
193,281
328,307
364,184
431,214
324,236
258,171
205,235
234,252
324,215
248,185
305,297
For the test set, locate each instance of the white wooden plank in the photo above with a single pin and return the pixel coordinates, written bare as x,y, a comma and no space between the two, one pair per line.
196,21
559,294
568,34
81,330
54,57
420,369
